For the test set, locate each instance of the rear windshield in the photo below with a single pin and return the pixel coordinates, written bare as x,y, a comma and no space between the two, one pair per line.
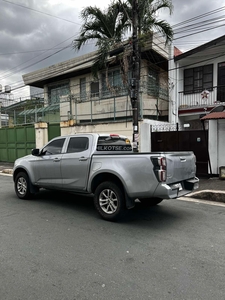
113,143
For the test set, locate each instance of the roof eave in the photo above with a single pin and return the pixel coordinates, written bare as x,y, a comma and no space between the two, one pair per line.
199,48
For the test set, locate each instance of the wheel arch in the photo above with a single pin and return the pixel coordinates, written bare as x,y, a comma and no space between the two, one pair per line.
17,171
33,188
102,177
105,176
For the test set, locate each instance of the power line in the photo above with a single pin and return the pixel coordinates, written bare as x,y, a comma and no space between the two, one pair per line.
200,31
54,74
41,12
7,75
200,16
29,51
184,66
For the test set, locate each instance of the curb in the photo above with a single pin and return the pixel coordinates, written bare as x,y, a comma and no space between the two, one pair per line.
215,195
7,171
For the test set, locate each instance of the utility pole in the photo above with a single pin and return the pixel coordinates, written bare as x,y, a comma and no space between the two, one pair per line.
135,76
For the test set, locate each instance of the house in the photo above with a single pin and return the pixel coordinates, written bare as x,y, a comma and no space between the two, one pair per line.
12,109
82,103
197,88
197,80
18,112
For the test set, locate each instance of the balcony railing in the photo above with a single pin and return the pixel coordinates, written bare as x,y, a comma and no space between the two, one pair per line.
96,106
210,98
114,105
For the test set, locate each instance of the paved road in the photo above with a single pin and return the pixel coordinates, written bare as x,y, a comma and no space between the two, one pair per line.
57,247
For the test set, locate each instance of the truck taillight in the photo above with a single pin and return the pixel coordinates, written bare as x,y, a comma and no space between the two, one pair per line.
162,162
162,175
160,167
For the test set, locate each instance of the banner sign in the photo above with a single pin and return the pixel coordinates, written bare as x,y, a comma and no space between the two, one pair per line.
114,148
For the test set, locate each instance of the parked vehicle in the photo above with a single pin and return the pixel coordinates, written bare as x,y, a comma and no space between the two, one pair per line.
105,167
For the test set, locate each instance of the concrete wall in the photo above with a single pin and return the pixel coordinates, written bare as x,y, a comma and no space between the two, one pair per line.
212,141
216,144
122,128
221,143
41,134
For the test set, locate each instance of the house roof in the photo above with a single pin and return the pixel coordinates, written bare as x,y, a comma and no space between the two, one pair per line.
62,70
177,51
211,44
214,116
153,51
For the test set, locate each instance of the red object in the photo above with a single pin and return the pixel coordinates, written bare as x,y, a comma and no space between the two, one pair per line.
214,116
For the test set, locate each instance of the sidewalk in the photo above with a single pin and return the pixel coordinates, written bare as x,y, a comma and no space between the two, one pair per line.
212,189
6,167
213,183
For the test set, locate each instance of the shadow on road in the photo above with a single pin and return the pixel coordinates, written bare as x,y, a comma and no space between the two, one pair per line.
164,214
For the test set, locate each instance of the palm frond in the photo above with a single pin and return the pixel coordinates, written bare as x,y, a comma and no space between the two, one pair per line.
109,27
165,29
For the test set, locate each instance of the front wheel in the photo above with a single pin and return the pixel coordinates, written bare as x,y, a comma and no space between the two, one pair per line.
150,201
22,186
109,201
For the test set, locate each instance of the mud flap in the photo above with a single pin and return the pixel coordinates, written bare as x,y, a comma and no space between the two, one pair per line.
130,203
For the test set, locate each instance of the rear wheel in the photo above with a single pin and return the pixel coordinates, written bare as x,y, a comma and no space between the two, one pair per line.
22,186
109,201
150,201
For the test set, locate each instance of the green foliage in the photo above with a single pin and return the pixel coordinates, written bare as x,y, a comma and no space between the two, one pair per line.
110,28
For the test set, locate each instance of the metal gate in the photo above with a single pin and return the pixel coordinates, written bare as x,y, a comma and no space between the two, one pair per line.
195,140
53,130
16,142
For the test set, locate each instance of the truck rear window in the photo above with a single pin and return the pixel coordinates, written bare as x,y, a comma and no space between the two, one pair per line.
113,143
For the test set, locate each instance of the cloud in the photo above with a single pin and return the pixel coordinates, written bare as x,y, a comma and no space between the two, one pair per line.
32,30
28,36
189,12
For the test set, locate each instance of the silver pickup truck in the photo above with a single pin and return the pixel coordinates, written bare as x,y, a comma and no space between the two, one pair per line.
105,167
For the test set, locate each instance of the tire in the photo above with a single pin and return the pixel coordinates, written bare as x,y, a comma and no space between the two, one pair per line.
109,201
22,186
150,201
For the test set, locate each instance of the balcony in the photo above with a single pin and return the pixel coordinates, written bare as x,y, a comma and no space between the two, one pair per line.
199,102
114,105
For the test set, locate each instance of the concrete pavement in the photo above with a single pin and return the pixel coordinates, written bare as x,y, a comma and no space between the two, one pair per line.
6,167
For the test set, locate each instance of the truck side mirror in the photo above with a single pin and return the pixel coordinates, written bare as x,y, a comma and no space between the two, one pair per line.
35,152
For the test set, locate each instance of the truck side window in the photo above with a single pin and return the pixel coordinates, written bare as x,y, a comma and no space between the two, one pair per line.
78,144
54,147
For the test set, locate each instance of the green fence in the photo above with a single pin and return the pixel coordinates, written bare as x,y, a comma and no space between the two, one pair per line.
16,142
53,130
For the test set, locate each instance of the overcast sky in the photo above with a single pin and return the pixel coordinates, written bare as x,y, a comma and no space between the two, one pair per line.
38,33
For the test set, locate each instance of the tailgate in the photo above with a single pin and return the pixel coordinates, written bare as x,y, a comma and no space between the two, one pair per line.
180,166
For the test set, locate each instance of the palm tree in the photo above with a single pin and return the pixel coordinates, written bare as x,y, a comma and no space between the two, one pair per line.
107,28
148,22
147,17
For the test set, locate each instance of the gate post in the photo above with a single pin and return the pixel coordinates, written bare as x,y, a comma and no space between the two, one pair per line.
41,134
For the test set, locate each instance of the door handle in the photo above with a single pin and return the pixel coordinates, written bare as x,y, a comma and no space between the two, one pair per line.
56,159
82,158
182,159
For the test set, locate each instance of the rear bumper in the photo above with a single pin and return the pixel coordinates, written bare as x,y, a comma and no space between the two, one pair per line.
175,190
